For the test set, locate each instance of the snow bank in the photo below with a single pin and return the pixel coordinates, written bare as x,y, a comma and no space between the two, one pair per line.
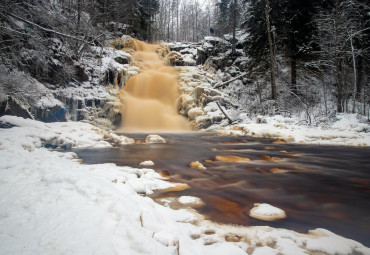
348,129
50,203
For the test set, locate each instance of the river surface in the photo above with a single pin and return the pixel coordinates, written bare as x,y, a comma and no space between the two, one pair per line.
317,186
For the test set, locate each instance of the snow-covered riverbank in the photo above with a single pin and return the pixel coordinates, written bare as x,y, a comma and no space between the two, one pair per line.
346,129
52,204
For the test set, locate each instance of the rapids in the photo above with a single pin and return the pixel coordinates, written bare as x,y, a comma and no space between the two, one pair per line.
317,186
149,99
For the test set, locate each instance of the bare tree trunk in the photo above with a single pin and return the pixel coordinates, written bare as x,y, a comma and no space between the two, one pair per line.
272,57
293,75
177,20
234,29
260,96
224,113
354,75
78,14
338,69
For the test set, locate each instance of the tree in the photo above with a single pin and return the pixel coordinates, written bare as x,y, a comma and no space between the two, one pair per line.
296,31
272,53
341,35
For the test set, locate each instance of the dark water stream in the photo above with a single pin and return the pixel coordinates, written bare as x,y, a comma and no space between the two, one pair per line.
317,186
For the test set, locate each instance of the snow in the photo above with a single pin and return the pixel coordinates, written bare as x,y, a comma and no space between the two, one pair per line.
266,212
147,163
154,139
265,251
348,129
50,203
189,200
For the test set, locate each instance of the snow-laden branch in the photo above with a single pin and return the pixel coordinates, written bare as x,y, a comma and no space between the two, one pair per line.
50,30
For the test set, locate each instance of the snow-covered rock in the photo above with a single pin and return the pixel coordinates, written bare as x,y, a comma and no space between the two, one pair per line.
197,165
147,163
195,112
190,200
266,212
154,139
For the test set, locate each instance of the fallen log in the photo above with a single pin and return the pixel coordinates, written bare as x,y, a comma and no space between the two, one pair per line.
229,81
222,110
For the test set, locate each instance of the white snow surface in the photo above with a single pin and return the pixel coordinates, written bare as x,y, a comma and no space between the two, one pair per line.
147,163
266,209
266,212
189,200
347,129
50,203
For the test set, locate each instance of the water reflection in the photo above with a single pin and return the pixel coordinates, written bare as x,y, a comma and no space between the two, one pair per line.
317,186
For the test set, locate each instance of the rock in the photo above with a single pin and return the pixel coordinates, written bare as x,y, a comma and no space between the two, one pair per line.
147,163
190,200
266,212
232,158
203,122
232,238
174,58
154,139
197,165
195,112
122,60
177,187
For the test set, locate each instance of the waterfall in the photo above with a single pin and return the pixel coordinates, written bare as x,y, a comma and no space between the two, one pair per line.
149,99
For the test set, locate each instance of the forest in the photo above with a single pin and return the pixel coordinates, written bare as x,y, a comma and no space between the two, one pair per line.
319,49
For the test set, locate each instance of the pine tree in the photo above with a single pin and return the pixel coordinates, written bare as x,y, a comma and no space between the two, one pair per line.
296,30
223,20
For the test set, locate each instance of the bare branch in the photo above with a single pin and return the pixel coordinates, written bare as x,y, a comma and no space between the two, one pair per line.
51,31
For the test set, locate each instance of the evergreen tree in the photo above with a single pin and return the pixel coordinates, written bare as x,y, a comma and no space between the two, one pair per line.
256,45
223,19
293,30
296,30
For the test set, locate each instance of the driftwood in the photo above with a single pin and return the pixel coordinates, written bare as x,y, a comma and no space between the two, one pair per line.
222,110
229,81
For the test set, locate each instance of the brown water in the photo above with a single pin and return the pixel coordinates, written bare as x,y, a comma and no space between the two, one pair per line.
317,186
149,99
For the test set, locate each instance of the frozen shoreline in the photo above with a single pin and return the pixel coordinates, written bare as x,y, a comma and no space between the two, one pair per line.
51,203
347,130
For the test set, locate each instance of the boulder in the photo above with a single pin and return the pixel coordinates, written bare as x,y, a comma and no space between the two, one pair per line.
154,139
266,212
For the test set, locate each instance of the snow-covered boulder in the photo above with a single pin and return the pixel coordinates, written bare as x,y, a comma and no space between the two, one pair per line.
266,212
154,139
195,112
147,163
197,165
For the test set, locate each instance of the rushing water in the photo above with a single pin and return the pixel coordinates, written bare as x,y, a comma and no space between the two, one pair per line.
149,99
317,186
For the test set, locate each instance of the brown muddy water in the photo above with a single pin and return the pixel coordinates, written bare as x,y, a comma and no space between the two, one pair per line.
317,186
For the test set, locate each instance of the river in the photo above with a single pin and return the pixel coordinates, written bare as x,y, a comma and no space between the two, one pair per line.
317,186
